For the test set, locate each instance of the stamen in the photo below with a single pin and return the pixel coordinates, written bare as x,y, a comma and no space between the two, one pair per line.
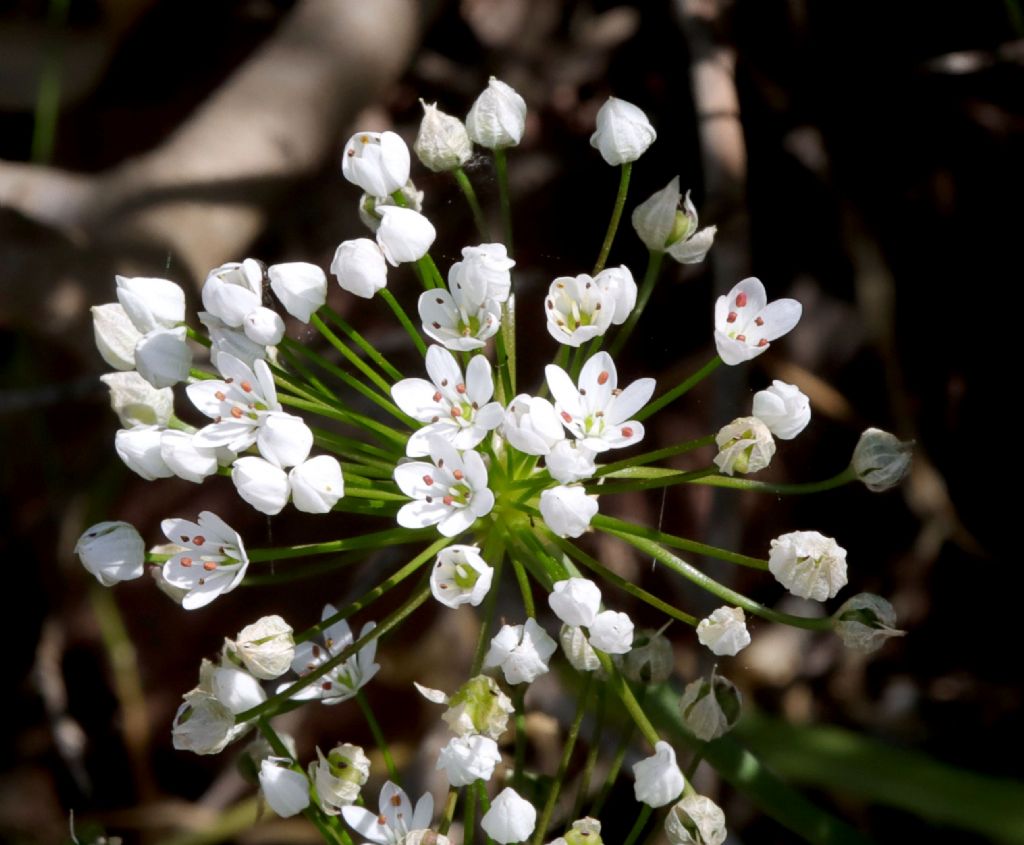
742,338
460,388
456,411
438,300
186,562
202,582
436,324
444,382
430,501
396,801
428,480
199,540
616,391
316,653
741,299
458,475
759,321
220,395
437,396
209,566
566,417
627,432
440,463
763,341
246,387
551,305
326,685
184,539
448,500
603,377
236,412
732,317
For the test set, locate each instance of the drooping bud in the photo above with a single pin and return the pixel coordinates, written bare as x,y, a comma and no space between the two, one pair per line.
112,552
577,649
724,632
286,790
510,819
659,779
265,648
442,143
163,358
466,759
359,267
136,401
784,408
710,707
317,484
881,460
865,621
301,287
695,820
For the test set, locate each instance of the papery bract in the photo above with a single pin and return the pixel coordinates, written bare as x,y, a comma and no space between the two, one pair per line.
442,143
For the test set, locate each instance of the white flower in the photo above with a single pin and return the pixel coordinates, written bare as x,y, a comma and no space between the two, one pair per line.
163,358
404,235
695,820
612,632
522,652
567,510
112,552
442,143
233,342
286,791
301,287
263,326
370,207
598,412
658,779
451,492
623,132
784,408
460,576
378,162
317,484
531,425
510,819
575,601
745,445
346,679
578,309
139,448
233,290
568,461
466,759
724,632
457,410
577,649
745,321
203,725
865,621
136,401
151,303
665,227
360,267
498,116
115,335
456,324
338,776
284,439
396,819
710,707
478,707
482,275
184,458
266,647
620,289
881,460
213,560
808,564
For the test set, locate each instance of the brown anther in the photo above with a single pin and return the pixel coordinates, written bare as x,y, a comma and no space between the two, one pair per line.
396,801
599,414
763,341
436,324
218,418
460,388
246,387
316,653
759,321
209,566
184,539
434,419
202,581
443,586
456,411
350,153
326,685
458,475
437,396
566,417
444,382
448,500
583,391
440,462
430,501
229,381
603,376
476,407
236,412
551,305
597,307
616,391
741,299
627,432
428,480
438,300
186,562
220,395
731,318
587,286
742,338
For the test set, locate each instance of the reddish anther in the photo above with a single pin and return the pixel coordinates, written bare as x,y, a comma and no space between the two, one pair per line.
731,318
460,388
456,411
186,562
220,395
762,342
199,540
627,432
428,480
603,376
236,412
246,387
759,321
448,500
437,396
566,417
458,475
741,299
209,566
742,338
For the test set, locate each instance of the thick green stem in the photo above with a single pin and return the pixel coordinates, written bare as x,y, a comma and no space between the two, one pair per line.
501,167
613,224
494,554
403,318
485,804
469,816
648,478
519,766
378,736
382,432
654,260
474,205
616,765
680,389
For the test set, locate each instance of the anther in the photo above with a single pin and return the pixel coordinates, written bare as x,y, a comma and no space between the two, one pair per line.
326,685
458,475
551,305
448,500
437,396
732,317
460,388
763,341
456,411
209,566
236,412
186,562
428,480
436,324
444,382
759,321
246,387
220,395
566,417
742,338
627,432
438,300
741,299
199,540
603,377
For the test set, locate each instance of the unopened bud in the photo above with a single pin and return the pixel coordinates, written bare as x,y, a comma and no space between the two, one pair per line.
881,460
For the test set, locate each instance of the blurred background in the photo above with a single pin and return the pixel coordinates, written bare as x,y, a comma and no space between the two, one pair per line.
864,158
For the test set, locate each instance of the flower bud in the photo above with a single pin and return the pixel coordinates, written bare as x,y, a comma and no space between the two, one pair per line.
575,601
567,510
479,707
317,484
139,448
532,425
286,791
498,116
284,439
442,143
522,652
359,267
568,461
784,408
233,342
233,290
378,162
184,458
301,287
577,649
136,401
466,759
404,235
881,460
695,820
151,303
623,132
115,335
510,819
650,661
255,752
482,275
263,326
265,648
112,552
338,776
163,358
710,707
460,576
808,564
425,836
745,445
611,632
724,632
865,621
658,779
261,484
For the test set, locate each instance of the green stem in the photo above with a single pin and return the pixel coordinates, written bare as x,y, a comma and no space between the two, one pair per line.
403,318
563,766
293,362
492,551
629,701
469,816
374,540
639,824
524,586
474,206
844,477
485,804
650,479
378,736
616,764
654,260
347,352
613,224
593,749
367,452
362,343
730,596
376,429
449,810
47,108
201,339
519,767
656,455
679,389
501,167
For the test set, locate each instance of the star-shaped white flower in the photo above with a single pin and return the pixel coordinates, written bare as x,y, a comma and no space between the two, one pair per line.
578,309
396,819
745,322
212,562
522,652
456,409
346,679
457,322
451,492
597,412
